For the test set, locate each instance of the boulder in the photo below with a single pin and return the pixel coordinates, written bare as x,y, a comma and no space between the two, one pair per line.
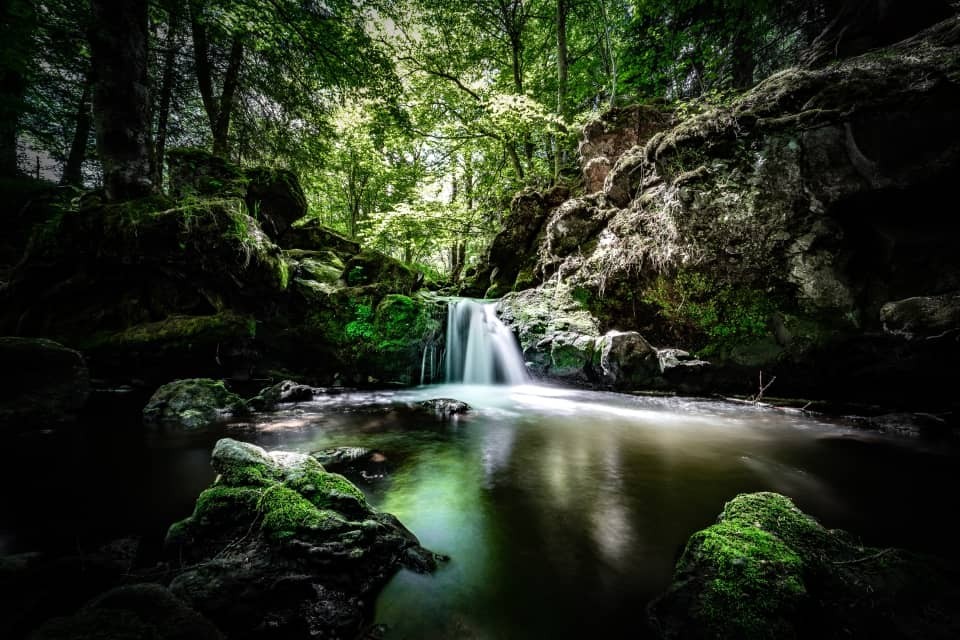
767,570
281,393
922,316
312,235
626,361
191,404
44,384
274,199
278,546
444,408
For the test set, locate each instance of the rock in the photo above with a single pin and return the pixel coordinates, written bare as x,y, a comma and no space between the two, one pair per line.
444,408
142,610
922,316
275,199
512,250
280,546
567,355
534,314
280,393
191,404
371,267
310,234
371,465
197,172
44,384
767,570
609,135
768,233
626,360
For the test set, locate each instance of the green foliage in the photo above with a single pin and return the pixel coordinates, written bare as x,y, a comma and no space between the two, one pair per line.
361,327
718,313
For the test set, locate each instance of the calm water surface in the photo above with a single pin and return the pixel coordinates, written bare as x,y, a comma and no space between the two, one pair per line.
563,511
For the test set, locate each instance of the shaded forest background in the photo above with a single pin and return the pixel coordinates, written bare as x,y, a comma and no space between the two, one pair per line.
411,123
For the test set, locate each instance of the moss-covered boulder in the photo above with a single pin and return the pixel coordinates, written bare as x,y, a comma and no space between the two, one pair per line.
42,383
370,267
279,543
191,404
197,172
310,234
767,570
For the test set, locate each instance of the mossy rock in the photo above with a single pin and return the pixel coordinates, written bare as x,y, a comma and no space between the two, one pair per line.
191,404
768,570
371,267
197,172
310,234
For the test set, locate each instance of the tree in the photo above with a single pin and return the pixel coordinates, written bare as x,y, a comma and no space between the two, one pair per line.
17,24
121,96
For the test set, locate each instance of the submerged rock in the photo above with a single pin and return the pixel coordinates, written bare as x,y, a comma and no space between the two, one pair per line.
191,404
767,570
279,547
42,384
280,393
444,407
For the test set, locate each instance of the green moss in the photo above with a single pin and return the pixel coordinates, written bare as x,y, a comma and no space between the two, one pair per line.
328,490
361,326
285,512
712,314
176,332
756,583
221,505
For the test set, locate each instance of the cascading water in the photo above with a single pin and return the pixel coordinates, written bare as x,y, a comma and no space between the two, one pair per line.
480,348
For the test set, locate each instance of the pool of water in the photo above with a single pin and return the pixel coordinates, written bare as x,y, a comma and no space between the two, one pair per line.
562,511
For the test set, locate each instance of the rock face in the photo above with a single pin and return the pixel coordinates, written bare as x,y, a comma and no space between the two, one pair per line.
612,133
767,235
278,547
561,340
191,404
510,259
767,570
42,384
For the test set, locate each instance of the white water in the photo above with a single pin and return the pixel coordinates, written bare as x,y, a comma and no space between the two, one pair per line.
480,348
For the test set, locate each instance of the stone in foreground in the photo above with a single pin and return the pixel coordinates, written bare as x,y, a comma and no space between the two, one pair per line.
768,570
279,547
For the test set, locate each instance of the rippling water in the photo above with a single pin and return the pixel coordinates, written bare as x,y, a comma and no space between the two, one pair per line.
563,511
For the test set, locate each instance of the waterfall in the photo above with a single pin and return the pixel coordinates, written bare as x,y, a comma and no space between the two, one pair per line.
480,348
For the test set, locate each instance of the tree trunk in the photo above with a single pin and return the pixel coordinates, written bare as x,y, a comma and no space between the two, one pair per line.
219,110
121,96
166,90
742,56
562,71
221,129
18,21
73,169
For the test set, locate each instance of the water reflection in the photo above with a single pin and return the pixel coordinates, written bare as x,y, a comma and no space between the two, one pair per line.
563,511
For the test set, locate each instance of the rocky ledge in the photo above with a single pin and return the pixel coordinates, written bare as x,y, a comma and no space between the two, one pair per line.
279,547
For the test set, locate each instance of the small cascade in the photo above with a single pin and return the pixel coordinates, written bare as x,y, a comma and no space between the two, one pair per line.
480,349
